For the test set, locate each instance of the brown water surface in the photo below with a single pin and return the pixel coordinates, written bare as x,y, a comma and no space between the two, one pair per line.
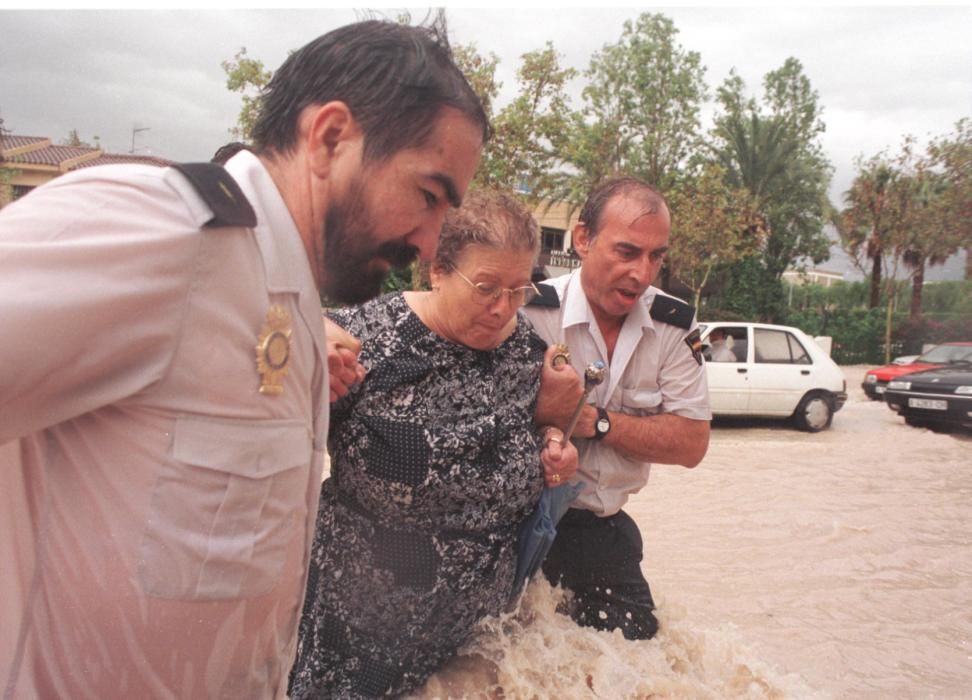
786,565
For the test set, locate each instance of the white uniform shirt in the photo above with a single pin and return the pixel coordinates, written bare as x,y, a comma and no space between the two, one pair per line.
157,527
652,371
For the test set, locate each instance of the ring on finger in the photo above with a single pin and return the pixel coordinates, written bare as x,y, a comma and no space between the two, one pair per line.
555,478
557,440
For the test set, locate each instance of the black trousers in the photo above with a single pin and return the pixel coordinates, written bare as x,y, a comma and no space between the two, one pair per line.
599,559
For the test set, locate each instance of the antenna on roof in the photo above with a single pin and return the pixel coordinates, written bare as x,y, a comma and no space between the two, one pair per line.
135,130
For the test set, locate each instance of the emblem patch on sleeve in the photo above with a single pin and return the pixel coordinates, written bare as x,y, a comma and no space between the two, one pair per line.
694,341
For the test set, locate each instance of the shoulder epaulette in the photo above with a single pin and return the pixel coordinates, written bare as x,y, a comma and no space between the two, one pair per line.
673,311
546,297
219,190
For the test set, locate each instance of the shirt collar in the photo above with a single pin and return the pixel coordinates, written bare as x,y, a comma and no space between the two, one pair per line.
284,256
577,310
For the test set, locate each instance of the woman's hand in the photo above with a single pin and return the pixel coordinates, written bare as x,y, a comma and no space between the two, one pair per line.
343,367
559,457
561,390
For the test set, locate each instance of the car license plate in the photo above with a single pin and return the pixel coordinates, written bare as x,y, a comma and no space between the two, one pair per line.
879,389
933,404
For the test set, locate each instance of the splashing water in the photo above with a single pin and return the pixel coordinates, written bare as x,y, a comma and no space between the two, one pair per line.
536,652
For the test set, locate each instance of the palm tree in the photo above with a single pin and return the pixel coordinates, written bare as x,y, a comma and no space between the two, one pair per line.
756,153
932,236
868,218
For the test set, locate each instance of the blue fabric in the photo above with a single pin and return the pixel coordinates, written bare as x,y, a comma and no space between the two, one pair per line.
538,532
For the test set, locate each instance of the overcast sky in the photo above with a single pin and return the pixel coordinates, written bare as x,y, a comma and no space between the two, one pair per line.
881,71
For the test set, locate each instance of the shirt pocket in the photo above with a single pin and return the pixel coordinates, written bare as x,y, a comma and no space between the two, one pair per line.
224,507
640,401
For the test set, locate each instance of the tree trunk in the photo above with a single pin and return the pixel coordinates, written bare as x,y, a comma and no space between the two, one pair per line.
917,282
875,282
888,320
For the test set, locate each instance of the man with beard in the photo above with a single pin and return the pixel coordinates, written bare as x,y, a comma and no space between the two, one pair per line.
653,405
165,369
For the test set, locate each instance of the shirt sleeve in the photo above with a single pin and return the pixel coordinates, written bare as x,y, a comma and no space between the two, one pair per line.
682,379
95,272
544,322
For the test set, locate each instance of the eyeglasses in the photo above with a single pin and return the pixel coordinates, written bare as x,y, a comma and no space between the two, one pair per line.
487,293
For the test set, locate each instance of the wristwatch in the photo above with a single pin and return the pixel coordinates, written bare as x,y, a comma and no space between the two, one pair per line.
602,426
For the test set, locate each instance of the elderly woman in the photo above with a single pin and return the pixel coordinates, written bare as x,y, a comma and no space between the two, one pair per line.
435,463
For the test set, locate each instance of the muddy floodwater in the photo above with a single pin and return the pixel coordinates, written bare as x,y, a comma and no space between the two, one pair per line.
786,565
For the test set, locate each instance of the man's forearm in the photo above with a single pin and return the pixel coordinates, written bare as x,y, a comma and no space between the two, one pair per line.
663,439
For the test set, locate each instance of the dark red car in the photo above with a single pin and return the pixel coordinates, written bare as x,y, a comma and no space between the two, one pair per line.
876,380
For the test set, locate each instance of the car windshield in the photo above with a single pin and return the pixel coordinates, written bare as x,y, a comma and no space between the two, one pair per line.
948,354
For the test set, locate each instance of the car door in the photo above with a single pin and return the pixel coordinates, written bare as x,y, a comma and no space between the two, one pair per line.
729,381
780,374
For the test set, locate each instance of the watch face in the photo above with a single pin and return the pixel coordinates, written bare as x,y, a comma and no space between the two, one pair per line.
603,425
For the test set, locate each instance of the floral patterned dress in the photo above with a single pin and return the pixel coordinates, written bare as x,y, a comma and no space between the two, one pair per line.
434,465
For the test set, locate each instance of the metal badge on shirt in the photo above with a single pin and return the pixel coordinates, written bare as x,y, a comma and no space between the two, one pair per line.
273,351
694,341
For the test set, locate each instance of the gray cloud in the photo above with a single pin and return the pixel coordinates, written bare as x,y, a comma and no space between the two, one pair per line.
881,72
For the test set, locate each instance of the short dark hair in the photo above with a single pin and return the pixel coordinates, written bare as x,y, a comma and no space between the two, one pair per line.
489,218
607,190
224,153
394,78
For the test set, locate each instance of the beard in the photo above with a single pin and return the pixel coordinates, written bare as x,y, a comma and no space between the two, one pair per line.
355,263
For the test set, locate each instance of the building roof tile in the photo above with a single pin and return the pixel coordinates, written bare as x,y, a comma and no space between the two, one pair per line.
39,152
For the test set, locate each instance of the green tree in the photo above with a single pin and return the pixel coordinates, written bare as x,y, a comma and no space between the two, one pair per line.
879,220
952,156
641,109
774,152
480,71
936,222
928,240
531,132
248,77
872,207
713,226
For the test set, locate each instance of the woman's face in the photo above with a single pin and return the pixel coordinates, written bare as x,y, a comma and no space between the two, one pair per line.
465,315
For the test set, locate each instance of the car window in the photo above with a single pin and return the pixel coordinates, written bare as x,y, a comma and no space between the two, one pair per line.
943,354
735,342
779,347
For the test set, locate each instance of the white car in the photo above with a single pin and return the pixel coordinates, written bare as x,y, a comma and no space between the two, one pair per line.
771,371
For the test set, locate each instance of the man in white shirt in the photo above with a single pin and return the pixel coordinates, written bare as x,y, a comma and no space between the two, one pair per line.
651,407
165,370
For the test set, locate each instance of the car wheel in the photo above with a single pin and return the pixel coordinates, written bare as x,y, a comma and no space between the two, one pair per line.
814,413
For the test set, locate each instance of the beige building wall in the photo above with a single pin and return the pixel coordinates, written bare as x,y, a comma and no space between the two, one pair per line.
555,259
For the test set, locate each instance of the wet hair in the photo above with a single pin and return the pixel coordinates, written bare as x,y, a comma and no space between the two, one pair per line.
224,153
488,218
394,78
602,195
